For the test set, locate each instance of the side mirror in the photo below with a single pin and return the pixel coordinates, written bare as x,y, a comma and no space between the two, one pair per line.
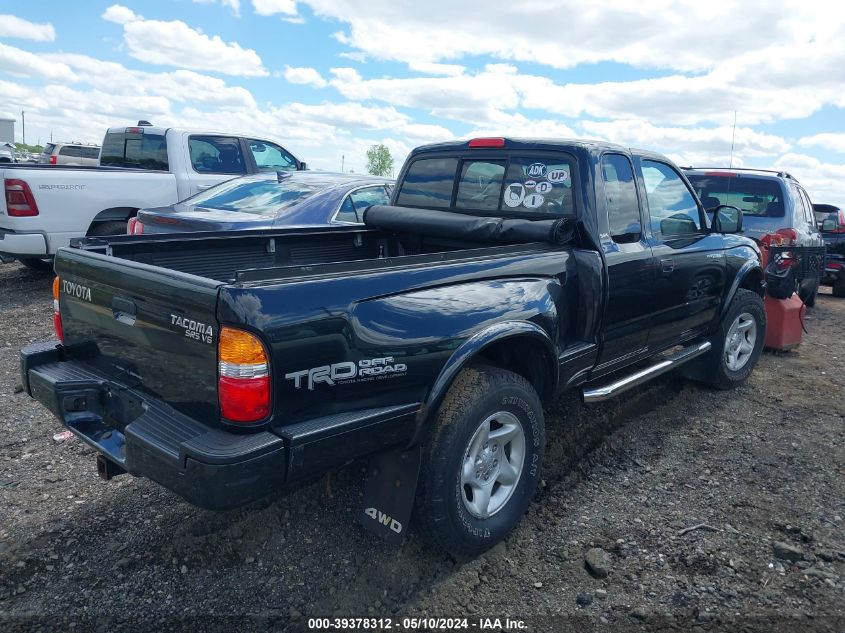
829,225
727,219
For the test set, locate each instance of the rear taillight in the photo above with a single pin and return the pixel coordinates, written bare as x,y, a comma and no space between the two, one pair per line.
134,227
243,377
789,236
54,160
19,199
57,316
835,266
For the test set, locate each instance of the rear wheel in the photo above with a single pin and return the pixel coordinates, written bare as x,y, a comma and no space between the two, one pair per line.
108,228
482,462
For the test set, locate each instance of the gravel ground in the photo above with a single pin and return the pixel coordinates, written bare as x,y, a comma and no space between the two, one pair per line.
756,473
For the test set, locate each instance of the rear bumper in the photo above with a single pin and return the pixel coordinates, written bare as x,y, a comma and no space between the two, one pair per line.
209,467
22,244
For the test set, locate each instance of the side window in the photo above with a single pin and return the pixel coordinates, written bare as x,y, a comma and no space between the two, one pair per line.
354,204
620,197
90,152
269,156
480,185
216,155
809,216
672,206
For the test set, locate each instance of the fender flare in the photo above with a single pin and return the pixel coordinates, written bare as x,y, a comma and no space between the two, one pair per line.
470,348
114,214
742,274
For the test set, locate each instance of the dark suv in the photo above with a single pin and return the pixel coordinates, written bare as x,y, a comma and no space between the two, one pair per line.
771,202
833,232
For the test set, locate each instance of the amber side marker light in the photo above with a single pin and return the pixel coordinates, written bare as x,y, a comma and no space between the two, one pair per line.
243,377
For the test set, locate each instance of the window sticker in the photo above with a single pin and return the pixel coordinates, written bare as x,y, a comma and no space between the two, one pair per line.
532,201
537,170
559,175
530,184
514,194
544,187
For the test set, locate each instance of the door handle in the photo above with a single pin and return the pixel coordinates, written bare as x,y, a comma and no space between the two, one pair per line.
667,265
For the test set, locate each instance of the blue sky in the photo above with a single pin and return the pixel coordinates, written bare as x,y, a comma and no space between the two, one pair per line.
328,78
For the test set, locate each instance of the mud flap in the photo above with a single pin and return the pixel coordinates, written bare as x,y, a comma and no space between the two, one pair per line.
389,493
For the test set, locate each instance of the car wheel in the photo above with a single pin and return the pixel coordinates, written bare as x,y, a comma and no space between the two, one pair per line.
738,343
108,228
482,460
839,288
38,265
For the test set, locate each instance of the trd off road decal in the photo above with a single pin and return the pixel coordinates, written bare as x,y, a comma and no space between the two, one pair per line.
345,373
193,329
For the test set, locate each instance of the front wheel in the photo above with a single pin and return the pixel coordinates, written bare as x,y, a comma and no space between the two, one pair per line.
482,461
39,265
738,343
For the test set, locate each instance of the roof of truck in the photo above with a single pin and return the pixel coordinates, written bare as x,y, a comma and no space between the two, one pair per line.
528,143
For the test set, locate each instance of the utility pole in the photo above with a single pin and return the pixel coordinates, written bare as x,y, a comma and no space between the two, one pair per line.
23,126
342,162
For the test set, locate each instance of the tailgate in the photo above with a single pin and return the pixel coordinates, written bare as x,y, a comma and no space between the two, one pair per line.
148,328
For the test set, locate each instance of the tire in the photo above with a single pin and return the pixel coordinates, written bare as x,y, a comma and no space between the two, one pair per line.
38,265
809,296
108,228
715,367
452,511
839,288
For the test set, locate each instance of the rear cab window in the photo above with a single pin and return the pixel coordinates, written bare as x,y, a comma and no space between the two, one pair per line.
132,148
511,183
756,197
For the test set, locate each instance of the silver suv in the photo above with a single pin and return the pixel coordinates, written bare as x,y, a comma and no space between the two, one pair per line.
771,202
70,154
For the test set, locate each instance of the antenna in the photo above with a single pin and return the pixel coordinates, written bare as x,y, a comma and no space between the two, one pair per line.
733,137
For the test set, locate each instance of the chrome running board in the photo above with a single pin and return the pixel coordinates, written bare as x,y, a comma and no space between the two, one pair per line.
600,394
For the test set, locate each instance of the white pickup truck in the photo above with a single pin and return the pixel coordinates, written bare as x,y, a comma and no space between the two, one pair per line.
44,206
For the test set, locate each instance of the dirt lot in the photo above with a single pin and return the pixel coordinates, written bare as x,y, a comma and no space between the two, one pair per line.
760,471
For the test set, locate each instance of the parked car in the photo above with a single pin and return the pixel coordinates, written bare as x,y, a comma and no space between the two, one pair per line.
227,365
45,207
8,154
821,211
833,232
302,198
771,202
70,154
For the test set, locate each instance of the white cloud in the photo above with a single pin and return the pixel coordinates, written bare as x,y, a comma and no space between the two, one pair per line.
25,64
714,141
13,26
305,76
431,68
233,5
687,35
833,141
273,7
824,182
174,43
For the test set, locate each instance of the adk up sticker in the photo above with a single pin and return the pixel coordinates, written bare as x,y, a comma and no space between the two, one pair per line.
537,170
559,175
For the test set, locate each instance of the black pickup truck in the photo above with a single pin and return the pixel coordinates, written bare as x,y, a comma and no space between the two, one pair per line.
226,366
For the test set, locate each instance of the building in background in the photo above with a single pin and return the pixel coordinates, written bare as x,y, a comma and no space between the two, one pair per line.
7,130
